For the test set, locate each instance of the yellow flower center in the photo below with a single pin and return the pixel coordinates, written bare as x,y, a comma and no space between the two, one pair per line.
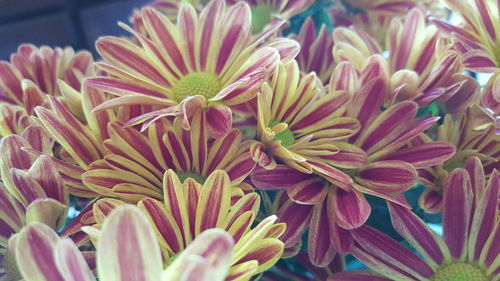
10,265
459,271
286,136
205,84
183,176
261,15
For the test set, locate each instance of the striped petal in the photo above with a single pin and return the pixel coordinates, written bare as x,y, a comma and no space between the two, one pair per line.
281,177
127,247
484,218
357,275
457,205
71,262
351,208
388,176
312,191
389,253
297,218
35,253
219,120
418,234
214,247
424,155
320,249
214,202
387,126
11,215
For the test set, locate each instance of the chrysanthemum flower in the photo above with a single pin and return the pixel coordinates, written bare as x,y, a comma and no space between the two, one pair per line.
472,137
315,54
190,208
332,149
134,164
469,247
420,65
477,38
32,191
204,61
81,141
35,72
127,251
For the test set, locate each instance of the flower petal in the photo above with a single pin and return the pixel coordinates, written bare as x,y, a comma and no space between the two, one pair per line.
388,176
35,253
128,249
457,205
312,191
320,248
351,209
71,262
219,120
418,234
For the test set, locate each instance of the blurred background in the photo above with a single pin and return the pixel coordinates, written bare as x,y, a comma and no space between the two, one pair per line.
75,23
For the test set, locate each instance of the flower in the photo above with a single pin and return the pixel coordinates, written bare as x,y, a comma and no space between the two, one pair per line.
332,149
190,208
420,66
35,72
207,61
477,37
127,250
134,164
473,133
81,141
315,54
32,191
467,251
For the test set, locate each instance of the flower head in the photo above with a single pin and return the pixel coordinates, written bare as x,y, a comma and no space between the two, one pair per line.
204,61
190,208
420,65
477,37
467,251
328,150
127,250
473,133
35,72
134,164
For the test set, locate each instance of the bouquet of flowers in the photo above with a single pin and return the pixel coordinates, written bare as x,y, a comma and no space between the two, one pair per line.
258,140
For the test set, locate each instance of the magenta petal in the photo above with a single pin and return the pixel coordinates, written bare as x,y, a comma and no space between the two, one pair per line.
457,203
424,155
350,208
417,233
219,120
312,191
485,216
320,249
340,238
357,275
390,251
431,201
281,177
390,176
297,218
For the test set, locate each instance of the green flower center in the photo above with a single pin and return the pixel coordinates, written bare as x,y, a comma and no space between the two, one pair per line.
286,136
183,176
10,266
459,271
261,15
205,84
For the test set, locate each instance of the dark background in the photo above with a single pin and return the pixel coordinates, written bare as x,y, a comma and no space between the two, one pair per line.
75,23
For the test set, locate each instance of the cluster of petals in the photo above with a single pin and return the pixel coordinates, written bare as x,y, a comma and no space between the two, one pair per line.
211,143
